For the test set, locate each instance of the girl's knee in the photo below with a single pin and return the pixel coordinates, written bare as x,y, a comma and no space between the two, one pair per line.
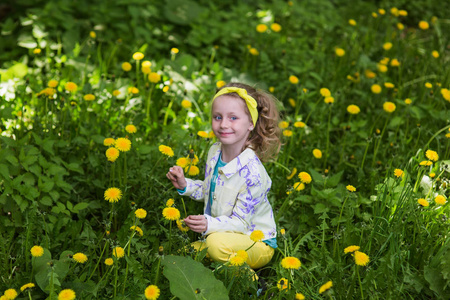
218,249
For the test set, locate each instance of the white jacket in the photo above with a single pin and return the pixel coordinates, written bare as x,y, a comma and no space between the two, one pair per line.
240,201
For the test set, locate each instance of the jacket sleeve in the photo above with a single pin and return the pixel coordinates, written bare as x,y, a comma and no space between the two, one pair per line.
194,189
251,203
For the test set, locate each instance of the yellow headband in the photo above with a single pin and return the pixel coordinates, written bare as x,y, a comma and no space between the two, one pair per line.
249,100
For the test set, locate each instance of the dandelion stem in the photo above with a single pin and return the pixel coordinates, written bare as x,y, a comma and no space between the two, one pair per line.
98,261
360,284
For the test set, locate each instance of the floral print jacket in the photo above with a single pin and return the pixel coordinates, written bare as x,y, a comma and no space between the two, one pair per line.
240,201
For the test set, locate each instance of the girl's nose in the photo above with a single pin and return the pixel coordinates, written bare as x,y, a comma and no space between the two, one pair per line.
224,123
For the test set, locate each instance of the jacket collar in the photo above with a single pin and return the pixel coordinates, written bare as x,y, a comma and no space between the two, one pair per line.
236,164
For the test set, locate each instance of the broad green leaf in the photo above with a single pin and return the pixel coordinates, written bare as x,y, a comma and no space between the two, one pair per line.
189,279
145,149
46,200
334,180
80,206
4,172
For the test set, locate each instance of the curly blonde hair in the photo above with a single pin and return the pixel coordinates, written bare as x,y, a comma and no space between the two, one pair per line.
265,137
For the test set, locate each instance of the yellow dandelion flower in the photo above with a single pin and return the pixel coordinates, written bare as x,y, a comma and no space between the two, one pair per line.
305,177
165,89
381,11
402,13
49,92
254,51
174,50
170,202
374,15
133,90
130,128
446,94
290,262
146,64
408,101
220,84
123,144
385,61
395,63
394,11
423,202
182,162
116,93
118,252
435,54
292,102
271,89
140,213
257,235
37,51
382,68
52,83
126,66
432,175
154,77
282,231
361,259
299,186
387,46
369,74
92,34
398,173
353,109
202,134
325,92
237,261
283,124
440,200
283,284
400,26
389,85
275,27
299,296
375,88
152,292
109,261
113,194
293,79
432,155
261,28
66,294
27,286
112,154
352,22
137,229
293,172
171,213
89,97
80,257
166,150
186,104
325,287
350,188
428,85
192,170
287,133
426,163
351,249
329,100
182,226
71,86
339,52
299,124
424,25
138,56
37,251
10,294
389,107
317,153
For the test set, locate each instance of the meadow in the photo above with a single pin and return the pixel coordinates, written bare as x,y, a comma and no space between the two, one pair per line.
98,99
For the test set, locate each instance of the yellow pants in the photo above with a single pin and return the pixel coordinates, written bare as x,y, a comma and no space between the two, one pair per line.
222,245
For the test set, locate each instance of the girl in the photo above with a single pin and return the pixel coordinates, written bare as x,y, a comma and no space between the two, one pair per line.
245,121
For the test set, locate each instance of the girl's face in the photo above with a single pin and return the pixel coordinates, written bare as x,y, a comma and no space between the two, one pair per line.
230,121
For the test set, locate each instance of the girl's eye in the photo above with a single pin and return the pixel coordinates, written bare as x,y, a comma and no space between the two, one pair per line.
217,118
233,118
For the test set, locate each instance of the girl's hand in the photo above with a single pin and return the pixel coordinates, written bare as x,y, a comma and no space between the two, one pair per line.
197,223
176,175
